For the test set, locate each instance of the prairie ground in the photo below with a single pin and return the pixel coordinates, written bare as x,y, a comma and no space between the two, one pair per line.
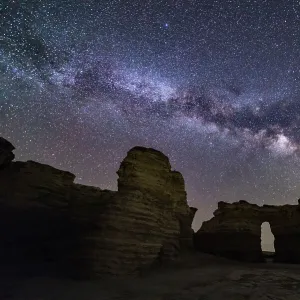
197,277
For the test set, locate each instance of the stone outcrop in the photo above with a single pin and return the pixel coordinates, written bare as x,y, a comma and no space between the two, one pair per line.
235,231
48,221
6,152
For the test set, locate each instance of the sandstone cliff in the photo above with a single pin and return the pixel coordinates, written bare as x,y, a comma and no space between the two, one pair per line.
48,221
235,231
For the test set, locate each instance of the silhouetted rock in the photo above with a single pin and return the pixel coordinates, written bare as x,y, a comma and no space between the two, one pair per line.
235,231
140,224
6,152
49,222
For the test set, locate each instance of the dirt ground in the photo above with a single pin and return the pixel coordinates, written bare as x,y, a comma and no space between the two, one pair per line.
201,277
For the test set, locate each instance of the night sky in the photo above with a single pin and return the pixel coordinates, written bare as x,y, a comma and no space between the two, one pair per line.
214,84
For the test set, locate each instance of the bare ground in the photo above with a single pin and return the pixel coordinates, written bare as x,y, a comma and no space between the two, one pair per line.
200,277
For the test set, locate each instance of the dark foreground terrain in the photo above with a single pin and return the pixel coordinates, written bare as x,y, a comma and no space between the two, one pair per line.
199,277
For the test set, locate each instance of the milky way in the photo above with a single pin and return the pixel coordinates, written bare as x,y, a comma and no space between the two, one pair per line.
212,84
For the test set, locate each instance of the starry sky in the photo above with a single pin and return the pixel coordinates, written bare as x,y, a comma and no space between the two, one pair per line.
214,84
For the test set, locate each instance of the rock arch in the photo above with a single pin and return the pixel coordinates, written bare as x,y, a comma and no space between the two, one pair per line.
235,230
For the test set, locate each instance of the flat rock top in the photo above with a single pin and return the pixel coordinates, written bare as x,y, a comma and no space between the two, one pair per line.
212,279
148,150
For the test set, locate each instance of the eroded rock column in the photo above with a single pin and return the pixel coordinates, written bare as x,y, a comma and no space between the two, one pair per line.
141,225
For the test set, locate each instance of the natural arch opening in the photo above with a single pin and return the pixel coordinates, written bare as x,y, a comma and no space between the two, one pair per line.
267,241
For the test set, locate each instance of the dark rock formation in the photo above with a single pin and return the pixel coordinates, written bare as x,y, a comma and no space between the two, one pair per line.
6,154
235,231
49,222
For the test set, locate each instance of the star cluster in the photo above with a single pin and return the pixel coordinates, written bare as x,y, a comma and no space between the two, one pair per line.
213,84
